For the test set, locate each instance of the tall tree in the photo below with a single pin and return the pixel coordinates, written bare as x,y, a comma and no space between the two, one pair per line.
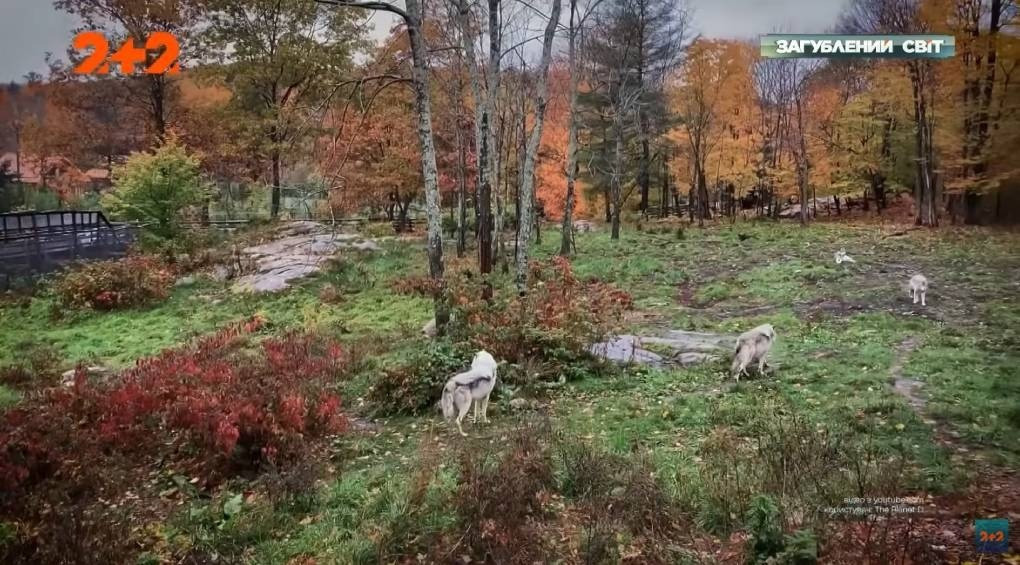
134,20
20,106
639,42
525,217
906,16
413,17
281,58
707,78
484,87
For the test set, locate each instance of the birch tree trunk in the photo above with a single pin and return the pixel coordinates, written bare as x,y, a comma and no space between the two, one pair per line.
413,17
423,108
484,137
526,218
567,232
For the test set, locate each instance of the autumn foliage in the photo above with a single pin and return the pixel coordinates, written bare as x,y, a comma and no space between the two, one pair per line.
560,314
223,403
134,280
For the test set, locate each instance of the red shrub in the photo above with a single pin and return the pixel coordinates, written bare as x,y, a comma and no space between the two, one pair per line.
426,287
559,312
117,283
226,399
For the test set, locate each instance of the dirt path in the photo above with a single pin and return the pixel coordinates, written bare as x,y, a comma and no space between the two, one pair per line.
944,531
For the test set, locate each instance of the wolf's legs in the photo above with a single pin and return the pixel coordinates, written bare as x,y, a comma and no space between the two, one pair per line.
922,298
463,412
914,293
474,416
485,408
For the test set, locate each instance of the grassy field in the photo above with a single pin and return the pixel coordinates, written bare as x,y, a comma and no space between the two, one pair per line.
846,333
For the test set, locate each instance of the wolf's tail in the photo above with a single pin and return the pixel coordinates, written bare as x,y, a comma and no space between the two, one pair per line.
446,402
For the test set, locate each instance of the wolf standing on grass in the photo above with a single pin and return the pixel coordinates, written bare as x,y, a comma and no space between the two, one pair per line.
471,387
753,346
918,288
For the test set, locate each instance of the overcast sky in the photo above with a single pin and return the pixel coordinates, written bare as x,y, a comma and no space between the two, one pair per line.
30,28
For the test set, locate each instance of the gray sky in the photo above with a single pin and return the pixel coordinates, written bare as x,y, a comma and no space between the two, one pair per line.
29,28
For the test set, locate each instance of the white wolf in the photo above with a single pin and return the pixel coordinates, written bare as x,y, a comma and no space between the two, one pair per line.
752,345
470,387
918,288
842,257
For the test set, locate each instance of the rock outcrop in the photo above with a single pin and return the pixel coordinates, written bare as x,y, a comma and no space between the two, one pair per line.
676,347
302,251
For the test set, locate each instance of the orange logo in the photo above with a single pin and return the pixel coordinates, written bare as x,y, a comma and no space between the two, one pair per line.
159,56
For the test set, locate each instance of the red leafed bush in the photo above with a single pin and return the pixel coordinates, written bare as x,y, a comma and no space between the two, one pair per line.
134,280
559,315
226,400
426,287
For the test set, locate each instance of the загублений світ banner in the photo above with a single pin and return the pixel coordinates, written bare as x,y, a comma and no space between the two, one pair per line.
789,46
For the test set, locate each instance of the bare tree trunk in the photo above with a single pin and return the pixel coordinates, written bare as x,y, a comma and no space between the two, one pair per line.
567,231
527,198
423,108
492,76
484,136
664,199
802,163
616,192
924,190
461,193
704,212
274,209
485,216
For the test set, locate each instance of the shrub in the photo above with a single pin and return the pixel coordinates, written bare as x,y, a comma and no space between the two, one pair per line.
39,366
616,494
221,402
558,318
415,386
330,294
768,545
802,466
155,189
134,280
500,501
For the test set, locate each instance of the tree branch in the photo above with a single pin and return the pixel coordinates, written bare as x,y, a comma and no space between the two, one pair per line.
377,6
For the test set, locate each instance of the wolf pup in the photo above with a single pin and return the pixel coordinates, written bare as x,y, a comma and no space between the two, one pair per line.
752,346
470,387
918,288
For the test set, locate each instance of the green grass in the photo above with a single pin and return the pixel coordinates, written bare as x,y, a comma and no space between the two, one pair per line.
840,329
119,338
8,397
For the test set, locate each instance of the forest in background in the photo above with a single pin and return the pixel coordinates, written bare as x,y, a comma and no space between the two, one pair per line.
293,93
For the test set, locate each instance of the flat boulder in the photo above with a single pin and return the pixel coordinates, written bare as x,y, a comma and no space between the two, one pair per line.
91,372
302,251
674,348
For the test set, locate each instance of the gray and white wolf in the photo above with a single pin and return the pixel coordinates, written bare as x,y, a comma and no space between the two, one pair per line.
842,257
752,346
470,387
918,288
